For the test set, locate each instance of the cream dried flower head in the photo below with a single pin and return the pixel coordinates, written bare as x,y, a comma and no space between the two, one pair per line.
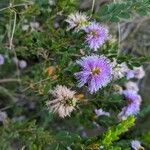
64,101
77,21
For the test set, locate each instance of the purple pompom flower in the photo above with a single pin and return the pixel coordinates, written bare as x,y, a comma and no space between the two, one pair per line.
136,145
22,64
1,59
133,106
96,72
130,74
101,112
96,35
137,72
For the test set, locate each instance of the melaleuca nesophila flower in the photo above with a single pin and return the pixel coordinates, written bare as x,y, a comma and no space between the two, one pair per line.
119,70
22,64
137,72
96,35
96,72
1,59
122,70
132,86
130,74
136,145
77,21
133,104
64,101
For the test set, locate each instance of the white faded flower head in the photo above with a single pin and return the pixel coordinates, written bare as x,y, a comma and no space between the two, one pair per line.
15,60
132,86
101,147
3,117
51,2
100,112
136,145
25,27
77,21
34,25
64,101
119,70
139,72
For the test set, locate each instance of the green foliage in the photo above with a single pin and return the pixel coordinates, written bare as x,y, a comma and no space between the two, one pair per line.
115,12
51,52
145,138
30,136
26,133
113,133
65,139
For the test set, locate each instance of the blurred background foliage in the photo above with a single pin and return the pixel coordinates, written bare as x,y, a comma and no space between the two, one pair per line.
35,31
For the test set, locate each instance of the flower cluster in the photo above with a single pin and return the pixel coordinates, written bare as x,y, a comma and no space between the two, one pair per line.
21,63
96,34
133,104
137,72
96,72
130,93
122,70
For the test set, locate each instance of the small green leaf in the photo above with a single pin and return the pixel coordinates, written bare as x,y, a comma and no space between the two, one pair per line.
124,15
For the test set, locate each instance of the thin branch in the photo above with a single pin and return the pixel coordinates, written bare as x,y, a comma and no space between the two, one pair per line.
35,84
10,6
11,43
119,36
119,39
5,108
13,31
69,54
93,4
9,80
